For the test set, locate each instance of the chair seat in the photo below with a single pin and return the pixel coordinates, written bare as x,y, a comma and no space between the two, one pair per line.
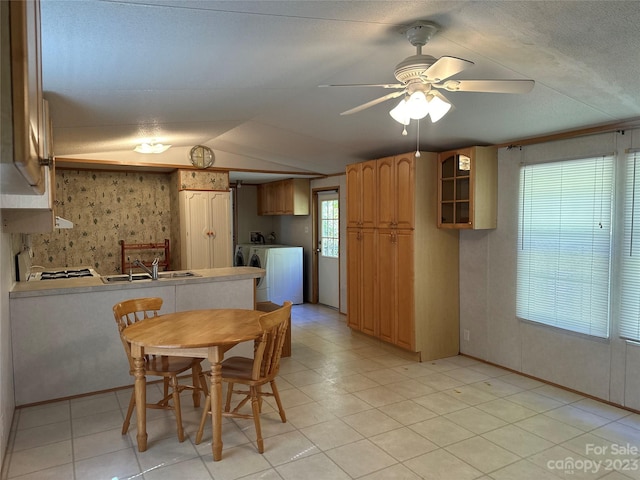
237,368
159,365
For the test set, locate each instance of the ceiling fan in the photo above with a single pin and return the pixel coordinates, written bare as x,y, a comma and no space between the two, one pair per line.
422,76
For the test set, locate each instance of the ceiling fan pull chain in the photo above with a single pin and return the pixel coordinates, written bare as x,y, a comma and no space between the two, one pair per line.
418,139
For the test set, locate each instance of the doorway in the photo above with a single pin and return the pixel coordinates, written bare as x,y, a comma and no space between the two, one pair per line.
326,205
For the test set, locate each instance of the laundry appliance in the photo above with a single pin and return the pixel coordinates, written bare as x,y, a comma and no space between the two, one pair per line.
284,278
242,255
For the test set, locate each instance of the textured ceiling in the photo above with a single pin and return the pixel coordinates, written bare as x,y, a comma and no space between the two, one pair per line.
242,77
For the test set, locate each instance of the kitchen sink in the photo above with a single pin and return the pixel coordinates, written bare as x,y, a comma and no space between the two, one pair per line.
180,274
125,277
136,277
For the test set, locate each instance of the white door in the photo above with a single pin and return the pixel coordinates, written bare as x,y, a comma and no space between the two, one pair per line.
220,230
328,249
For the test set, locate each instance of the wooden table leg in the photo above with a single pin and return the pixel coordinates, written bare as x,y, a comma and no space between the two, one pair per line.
215,358
140,389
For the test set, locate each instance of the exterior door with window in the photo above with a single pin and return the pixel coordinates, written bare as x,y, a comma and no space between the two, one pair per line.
328,249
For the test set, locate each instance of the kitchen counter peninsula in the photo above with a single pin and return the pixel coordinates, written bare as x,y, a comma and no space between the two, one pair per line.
92,284
65,331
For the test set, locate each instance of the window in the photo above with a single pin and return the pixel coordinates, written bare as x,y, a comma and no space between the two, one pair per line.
630,253
564,244
330,222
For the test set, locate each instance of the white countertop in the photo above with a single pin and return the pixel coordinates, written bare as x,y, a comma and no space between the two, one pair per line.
92,284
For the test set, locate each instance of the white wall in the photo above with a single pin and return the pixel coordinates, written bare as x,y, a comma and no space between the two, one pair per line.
248,218
7,276
606,369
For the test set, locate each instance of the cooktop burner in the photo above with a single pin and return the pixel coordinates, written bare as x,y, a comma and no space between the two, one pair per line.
84,272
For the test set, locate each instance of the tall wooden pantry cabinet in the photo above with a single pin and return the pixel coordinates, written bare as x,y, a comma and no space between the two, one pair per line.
402,270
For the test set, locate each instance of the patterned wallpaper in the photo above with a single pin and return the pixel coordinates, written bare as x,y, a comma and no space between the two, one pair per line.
105,207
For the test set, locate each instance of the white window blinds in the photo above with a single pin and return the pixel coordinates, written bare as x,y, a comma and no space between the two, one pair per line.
630,255
564,244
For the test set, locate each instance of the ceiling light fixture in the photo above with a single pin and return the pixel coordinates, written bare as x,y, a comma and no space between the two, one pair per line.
417,106
151,148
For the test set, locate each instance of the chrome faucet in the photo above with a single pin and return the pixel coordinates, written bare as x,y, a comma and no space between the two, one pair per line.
153,271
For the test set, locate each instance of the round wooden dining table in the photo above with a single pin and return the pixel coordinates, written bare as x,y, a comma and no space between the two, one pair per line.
193,333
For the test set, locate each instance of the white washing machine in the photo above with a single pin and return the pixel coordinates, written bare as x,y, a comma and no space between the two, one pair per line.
284,273
242,255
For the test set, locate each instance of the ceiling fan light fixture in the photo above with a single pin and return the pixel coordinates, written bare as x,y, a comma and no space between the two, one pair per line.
438,108
400,113
417,105
151,148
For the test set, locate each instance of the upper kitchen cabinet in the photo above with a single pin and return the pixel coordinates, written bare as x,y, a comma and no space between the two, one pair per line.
29,212
23,123
284,197
395,192
468,188
361,194
26,155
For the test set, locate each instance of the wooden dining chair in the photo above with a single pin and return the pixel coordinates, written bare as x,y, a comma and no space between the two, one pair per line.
127,313
255,372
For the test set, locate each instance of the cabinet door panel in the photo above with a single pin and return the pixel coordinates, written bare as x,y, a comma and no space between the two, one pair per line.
220,237
196,213
386,192
354,194
369,194
354,281
286,203
368,301
405,326
404,191
386,285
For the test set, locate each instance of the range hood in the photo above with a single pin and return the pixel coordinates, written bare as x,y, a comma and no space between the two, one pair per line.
63,223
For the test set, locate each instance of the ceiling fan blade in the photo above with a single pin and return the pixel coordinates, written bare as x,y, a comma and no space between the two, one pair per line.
488,86
383,85
373,102
445,67
436,93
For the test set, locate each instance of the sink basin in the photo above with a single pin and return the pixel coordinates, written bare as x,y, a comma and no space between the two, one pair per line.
136,277
125,277
182,274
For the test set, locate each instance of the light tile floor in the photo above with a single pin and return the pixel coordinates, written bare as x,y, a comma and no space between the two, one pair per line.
354,410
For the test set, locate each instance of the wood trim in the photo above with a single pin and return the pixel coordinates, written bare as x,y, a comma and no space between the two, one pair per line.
611,127
90,164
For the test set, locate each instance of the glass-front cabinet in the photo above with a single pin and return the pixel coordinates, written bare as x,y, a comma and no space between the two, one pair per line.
467,188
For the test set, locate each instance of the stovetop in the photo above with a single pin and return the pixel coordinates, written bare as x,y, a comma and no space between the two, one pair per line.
63,273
